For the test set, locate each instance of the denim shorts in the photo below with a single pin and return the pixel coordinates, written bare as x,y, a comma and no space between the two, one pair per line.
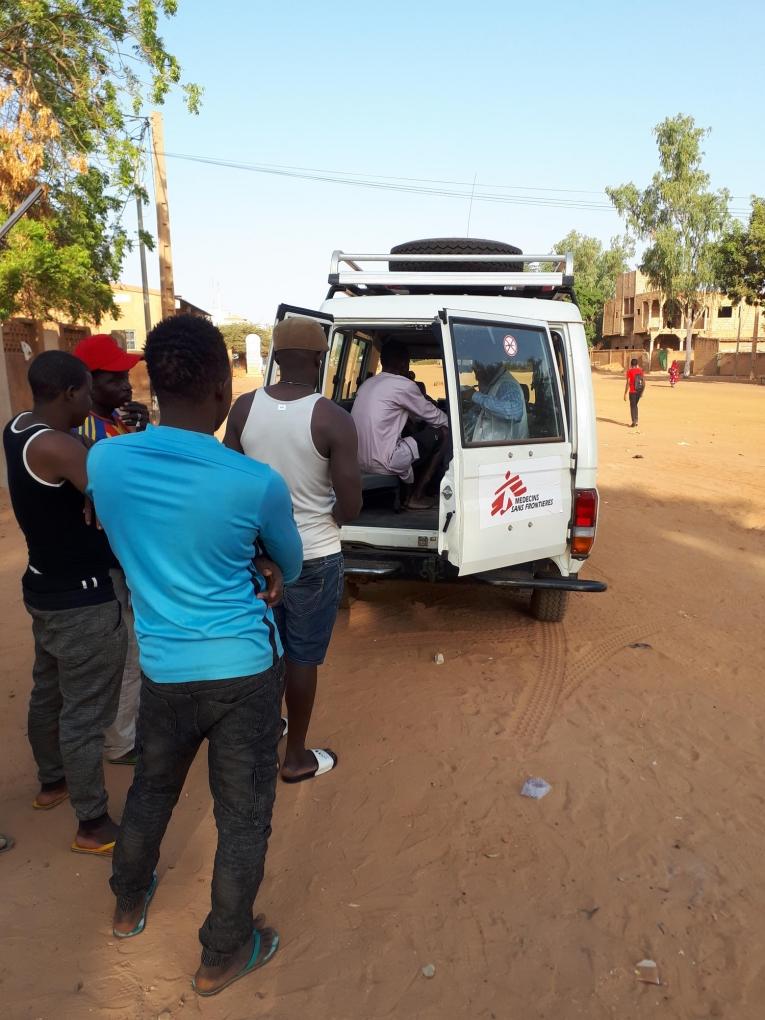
307,612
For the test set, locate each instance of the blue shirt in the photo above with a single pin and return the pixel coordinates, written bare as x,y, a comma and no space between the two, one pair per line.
183,515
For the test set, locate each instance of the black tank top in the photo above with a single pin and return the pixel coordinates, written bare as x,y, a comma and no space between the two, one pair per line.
69,560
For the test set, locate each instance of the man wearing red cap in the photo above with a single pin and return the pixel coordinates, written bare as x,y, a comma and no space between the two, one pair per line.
114,413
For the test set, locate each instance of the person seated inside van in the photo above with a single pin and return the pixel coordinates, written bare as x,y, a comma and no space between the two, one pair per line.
383,406
498,411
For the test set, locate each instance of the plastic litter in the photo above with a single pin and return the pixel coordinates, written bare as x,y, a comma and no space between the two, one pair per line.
438,659
428,970
535,788
648,972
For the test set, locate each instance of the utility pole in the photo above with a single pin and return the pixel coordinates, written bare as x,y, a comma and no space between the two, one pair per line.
166,287
142,255
14,218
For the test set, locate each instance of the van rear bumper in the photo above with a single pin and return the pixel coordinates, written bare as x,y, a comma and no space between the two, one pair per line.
571,583
360,564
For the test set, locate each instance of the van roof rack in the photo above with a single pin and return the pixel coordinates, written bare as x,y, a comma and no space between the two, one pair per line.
346,275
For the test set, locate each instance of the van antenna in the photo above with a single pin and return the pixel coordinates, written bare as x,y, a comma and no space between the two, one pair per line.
470,207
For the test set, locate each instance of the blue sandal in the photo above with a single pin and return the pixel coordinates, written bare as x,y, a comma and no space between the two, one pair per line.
142,919
255,961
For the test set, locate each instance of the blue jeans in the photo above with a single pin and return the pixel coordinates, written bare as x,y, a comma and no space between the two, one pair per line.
241,721
308,610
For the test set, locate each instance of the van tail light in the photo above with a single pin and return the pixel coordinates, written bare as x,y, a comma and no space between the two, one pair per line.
585,519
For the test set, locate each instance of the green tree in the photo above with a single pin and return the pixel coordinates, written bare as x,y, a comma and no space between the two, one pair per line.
235,333
75,79
595,273
741,266
681,220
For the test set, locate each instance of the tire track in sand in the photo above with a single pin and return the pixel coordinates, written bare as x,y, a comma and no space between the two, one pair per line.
559,678
602,651
538,701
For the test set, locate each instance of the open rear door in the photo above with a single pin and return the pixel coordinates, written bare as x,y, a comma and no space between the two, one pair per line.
506,498
287,312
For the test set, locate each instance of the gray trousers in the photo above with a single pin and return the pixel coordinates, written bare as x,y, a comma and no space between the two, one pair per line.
120,737
79,658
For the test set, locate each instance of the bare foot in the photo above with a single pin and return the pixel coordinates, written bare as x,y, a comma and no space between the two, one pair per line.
210,980
126,921
94,835
51,794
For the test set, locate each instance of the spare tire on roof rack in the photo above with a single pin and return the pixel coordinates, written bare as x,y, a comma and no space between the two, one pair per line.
455,246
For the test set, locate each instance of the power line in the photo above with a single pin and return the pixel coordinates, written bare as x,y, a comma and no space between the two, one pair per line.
389,184
415,185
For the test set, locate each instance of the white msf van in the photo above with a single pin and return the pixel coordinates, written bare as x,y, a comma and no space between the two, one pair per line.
514,506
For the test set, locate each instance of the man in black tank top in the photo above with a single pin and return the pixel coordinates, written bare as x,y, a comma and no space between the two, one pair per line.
80,638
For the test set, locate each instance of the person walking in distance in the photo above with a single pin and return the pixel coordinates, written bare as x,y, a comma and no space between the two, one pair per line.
80,637
115,413
185,516
312,443
674,374
634,389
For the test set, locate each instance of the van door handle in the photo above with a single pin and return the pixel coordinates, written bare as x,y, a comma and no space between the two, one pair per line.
447,522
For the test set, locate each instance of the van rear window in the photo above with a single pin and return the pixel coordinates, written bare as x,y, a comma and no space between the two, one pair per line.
508,384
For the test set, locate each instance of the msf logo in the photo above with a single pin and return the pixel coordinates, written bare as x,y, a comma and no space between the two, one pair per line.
503,496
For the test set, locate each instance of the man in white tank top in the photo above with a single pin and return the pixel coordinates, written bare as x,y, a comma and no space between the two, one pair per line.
312,443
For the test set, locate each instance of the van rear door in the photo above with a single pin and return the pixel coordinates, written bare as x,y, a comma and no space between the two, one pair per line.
506,499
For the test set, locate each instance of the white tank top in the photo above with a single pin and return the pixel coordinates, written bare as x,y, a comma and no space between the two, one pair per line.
278,433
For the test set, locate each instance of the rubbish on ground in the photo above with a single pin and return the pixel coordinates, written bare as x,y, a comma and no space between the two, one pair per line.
535,788
589,912
637,456
683,443
640,644
648,972
438,659
428,970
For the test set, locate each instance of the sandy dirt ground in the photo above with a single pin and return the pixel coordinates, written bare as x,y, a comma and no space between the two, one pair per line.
419,850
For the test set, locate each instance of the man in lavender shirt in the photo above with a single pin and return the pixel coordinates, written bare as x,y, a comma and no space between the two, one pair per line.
381,410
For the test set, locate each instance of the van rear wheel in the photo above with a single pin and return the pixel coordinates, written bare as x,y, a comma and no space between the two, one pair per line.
549,604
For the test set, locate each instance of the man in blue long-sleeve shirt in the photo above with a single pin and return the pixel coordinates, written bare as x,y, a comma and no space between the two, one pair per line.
185,516
499,407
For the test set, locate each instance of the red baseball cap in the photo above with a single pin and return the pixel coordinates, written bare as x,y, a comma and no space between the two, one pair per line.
102,353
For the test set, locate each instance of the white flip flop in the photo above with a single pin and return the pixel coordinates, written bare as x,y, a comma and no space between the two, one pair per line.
325,762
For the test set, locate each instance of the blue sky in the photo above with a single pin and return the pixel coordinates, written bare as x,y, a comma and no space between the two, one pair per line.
543,95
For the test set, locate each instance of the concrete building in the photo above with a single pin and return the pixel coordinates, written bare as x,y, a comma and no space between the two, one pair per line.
639,317
130,327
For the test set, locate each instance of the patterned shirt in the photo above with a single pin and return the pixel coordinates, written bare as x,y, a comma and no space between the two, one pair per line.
95,427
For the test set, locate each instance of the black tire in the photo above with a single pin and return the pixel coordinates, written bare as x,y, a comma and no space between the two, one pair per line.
548,604
455,246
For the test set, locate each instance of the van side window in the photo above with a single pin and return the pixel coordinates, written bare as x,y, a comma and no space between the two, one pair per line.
560,357
333,364
355,361
508,381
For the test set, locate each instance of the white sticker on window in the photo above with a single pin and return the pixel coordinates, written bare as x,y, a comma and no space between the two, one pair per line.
511,346
507,495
